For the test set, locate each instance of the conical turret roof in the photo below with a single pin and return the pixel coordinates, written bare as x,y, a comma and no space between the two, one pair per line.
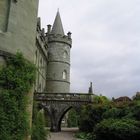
57,25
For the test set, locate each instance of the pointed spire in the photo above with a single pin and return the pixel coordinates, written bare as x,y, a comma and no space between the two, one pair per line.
57,26
90,88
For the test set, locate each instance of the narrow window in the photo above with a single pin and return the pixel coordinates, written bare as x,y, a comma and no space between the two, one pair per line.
65,54
64,74
4,14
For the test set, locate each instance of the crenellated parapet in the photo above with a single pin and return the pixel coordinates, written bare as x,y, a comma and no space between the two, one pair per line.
59,38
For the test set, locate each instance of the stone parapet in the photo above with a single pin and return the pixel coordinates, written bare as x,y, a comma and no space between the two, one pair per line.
59,38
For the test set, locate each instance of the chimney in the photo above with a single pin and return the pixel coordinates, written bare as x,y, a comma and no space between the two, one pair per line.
49,28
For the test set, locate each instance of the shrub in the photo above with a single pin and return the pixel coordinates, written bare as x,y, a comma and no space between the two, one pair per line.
39,131
90,116
85,136
118,129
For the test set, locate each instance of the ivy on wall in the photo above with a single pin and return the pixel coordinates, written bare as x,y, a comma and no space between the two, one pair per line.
16,80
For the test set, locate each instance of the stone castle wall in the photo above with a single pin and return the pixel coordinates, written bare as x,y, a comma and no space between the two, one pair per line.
18,20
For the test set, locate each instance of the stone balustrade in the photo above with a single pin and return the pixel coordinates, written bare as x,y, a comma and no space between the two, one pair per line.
69,97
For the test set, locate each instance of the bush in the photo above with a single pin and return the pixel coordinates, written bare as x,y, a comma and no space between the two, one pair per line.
118,129
117,113
85,136
90,116
39,131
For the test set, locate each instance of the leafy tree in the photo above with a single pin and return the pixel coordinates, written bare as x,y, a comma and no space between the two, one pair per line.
137,96
101,100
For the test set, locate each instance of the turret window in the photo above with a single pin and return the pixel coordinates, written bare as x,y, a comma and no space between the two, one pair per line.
65,54
64,74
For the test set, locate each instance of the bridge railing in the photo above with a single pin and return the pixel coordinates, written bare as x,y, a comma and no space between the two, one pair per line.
71,97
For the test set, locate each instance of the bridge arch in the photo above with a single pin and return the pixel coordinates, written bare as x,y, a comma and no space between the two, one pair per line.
62,116
57,105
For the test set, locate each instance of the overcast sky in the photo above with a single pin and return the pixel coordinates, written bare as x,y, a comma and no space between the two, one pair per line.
106,43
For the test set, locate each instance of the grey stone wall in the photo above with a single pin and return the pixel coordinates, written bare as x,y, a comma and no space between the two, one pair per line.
21,27
58,63
18,20
40,61
4,13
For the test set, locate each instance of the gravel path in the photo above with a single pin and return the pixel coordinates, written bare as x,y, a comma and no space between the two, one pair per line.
65,134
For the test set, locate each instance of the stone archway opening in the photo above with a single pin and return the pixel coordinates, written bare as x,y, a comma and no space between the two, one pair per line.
58,104
63,118
69,118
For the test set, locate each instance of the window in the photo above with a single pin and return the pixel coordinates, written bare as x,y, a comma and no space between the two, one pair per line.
4,14
64,74
65,54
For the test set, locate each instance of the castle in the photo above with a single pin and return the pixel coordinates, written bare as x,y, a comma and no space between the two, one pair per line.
20,30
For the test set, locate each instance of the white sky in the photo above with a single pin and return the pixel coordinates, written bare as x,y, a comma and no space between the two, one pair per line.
106,43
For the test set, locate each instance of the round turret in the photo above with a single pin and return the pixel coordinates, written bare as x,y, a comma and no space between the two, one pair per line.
58,70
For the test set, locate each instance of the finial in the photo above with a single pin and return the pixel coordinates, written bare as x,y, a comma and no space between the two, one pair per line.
90,88
69,35
57,9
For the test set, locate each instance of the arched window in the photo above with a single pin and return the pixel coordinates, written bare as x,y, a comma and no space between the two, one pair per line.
65,54
64,74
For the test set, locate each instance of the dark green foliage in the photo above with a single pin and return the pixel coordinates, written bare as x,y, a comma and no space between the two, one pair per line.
90,116
118,129
16,80
117,113
18,75
39,132
85,136
101,100
72,118
111,120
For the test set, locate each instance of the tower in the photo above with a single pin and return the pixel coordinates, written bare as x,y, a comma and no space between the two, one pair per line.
58,69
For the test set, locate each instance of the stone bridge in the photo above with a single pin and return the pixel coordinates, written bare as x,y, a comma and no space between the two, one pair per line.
58,104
